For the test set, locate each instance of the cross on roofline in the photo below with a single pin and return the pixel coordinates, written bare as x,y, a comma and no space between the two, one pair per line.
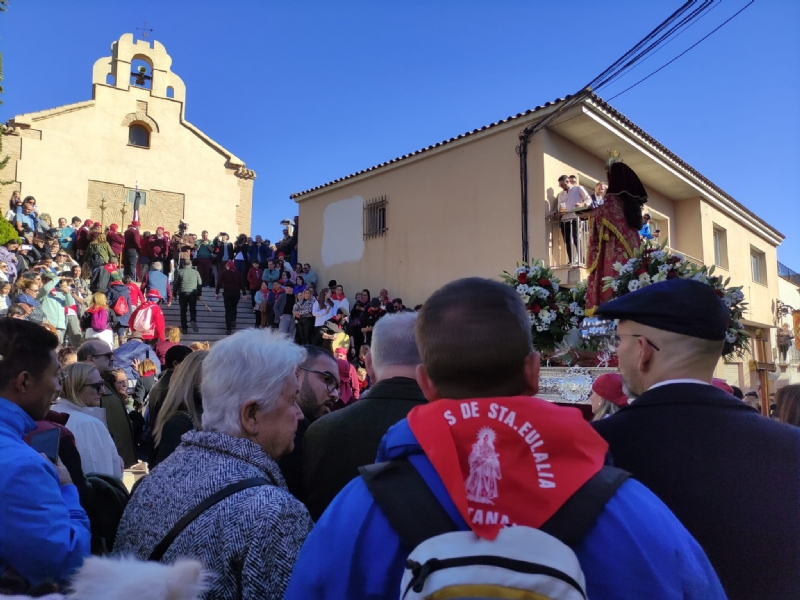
144,29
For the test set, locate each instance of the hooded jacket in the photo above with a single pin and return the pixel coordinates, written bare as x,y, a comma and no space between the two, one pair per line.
637,548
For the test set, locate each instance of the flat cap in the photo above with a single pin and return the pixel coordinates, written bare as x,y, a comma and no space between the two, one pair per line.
681,306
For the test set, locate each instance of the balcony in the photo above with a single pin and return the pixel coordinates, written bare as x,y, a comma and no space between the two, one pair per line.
568,257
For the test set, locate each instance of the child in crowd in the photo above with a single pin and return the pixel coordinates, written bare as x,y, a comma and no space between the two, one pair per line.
98,320
5,298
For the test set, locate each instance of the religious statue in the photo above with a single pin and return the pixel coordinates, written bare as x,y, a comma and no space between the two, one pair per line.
484,469
613,228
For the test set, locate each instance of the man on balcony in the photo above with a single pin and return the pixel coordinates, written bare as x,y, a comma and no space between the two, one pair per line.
571,198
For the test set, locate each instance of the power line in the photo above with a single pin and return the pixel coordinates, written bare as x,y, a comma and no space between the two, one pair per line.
684,52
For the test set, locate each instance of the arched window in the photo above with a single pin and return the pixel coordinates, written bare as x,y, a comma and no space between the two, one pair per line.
138,135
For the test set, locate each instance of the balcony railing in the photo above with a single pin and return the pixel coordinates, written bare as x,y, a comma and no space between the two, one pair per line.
573,251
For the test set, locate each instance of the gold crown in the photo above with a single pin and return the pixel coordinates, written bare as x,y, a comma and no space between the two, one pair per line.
612,156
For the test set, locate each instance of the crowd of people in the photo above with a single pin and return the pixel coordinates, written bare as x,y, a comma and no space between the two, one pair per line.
269,470
367,450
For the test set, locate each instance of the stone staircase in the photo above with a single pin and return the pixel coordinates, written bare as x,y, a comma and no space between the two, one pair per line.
211,323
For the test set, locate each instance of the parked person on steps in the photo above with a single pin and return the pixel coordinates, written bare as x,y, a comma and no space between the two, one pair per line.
233,286
188,287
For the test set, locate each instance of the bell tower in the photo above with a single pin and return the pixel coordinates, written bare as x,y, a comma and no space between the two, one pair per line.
117,70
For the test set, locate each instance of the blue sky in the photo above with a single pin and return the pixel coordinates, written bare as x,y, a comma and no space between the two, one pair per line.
306,92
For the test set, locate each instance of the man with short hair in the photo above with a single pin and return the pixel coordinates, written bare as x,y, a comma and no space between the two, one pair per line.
154,279
310,276
319,390
398,306
98,353
337,445
131,249
66,233
492,456
187,285
729,474
44,532
204,249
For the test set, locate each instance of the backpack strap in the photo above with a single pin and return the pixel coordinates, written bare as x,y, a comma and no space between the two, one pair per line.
578,514
415,515
215,498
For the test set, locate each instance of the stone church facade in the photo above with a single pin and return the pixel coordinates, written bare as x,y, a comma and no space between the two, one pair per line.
85,159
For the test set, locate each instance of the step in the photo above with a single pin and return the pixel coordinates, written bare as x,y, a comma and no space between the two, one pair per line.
210,318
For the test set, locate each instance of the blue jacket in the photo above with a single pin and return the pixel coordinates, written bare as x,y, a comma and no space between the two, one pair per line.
66,237
637,549
156,280
134,349
44,532
114,291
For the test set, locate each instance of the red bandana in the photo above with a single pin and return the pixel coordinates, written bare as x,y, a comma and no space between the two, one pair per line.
338,297
507,461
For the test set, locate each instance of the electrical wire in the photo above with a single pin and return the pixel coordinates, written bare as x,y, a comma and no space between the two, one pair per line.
684,52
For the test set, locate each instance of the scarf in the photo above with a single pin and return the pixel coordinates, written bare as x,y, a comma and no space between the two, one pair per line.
507,461
337,297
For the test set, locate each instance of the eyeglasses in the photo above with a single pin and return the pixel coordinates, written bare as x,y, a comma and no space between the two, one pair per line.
614,340
328,378
97,386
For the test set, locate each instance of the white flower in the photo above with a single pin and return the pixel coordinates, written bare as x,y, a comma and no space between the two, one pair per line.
539,328
555,286
573,306
545,316
628,268
730,337
644,279
658,255
664,268
534,273
727,301
520,271
523,288
615,285
634,285
525,298
700,277
658,277
579,311
532,318
740,325
617,266
543,293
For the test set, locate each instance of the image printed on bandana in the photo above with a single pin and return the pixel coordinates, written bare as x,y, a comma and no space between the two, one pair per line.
484,468
507,461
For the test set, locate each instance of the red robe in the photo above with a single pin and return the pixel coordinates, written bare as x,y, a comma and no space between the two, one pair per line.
611,240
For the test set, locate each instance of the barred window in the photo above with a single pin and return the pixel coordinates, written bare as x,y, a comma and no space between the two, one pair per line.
131,196
375,217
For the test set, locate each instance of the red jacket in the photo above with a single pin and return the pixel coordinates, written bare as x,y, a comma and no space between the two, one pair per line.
254,278
157,321
136,294
116,241
133,241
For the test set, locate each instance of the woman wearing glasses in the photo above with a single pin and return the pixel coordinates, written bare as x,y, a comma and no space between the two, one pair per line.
81,389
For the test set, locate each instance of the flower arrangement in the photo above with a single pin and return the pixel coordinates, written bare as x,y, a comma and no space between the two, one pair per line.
539,290
575,310
653,263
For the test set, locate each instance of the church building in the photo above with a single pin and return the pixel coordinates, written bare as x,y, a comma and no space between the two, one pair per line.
86,159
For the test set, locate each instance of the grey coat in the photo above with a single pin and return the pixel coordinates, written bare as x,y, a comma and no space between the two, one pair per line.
249,541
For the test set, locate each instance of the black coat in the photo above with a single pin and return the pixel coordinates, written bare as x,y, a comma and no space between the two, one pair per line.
338,443
730,475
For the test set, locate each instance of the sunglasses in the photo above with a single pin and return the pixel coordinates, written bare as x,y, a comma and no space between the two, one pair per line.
97,386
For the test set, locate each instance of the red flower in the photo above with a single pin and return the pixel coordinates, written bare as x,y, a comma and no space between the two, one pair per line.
719,293
674,260
535,309
522,278
553,306
638,272
672,274
545,283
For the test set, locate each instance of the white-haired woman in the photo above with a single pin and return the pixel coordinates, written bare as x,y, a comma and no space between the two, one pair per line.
80,399
250,539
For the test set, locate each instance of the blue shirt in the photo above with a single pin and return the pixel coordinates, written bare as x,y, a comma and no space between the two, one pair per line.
44,532
637,549
66,237
29,219
645,232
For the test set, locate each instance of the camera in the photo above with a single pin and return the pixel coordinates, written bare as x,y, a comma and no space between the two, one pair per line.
182,227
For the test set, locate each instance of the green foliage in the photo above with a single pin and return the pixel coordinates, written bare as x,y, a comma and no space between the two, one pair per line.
7,232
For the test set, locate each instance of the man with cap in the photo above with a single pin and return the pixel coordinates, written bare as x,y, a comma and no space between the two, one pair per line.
730,475
148,319
131,249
